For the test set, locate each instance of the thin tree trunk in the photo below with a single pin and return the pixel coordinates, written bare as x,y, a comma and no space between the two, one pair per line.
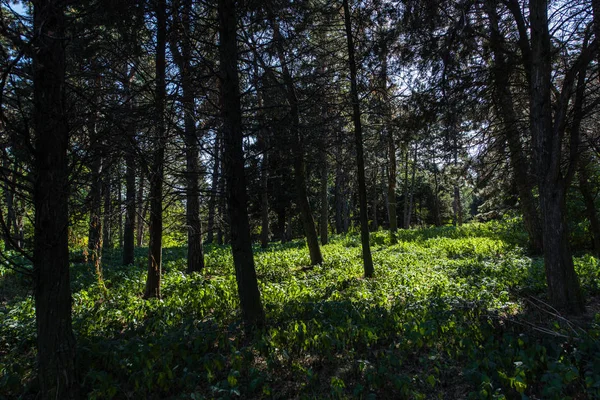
130,192
263,144
241,245
323,225
405,195
107,231
56,348
157,168
141,212
214,190
360,163
95,227
195,255
339,199
306,216
412,189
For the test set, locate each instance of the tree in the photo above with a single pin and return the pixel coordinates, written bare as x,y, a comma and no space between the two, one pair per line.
55,340
360,163
182,20
547,130
233,158
157,168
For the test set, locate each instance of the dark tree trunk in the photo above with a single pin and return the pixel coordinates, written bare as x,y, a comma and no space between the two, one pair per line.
214,190
360,163
157,168
130,192
297,142
412,189
57,371
375,204
563,284
107,225
505,106
233,158
141,212
195,256
339,199
263,143
95,228
323,225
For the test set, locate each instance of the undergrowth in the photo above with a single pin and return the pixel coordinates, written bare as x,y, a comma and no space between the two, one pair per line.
451,313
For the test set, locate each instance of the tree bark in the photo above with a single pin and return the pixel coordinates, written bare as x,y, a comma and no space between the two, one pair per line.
324,223
563,284
95,227
57,371
195,255
130,189
306,216
360,163
157,168
501,72
214,190
241,246
141,212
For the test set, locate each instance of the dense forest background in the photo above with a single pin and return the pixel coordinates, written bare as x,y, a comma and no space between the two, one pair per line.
304,198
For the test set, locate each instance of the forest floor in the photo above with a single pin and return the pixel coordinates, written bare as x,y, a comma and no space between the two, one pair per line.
451,313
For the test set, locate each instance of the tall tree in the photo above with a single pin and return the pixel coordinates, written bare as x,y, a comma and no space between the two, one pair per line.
297,148
547,130
157,169
183,59
55,340
360,163
233,158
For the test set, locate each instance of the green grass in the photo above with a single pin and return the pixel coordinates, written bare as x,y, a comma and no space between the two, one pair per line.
451,313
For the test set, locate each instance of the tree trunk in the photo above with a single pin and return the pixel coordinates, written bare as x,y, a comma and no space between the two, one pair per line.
339,199
241,245
563,284
130,192
214,190
412,189
323,225
57,371
360,163
195,255
505,106
157,168
263,143
306,216
107,231
141,212
95,228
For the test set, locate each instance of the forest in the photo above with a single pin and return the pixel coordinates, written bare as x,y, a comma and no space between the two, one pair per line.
299,199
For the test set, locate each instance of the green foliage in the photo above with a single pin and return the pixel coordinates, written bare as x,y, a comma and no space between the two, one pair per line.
451,311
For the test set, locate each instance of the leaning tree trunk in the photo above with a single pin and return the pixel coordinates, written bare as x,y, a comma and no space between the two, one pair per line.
306,216
157,169
57,371
360,163
233,157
